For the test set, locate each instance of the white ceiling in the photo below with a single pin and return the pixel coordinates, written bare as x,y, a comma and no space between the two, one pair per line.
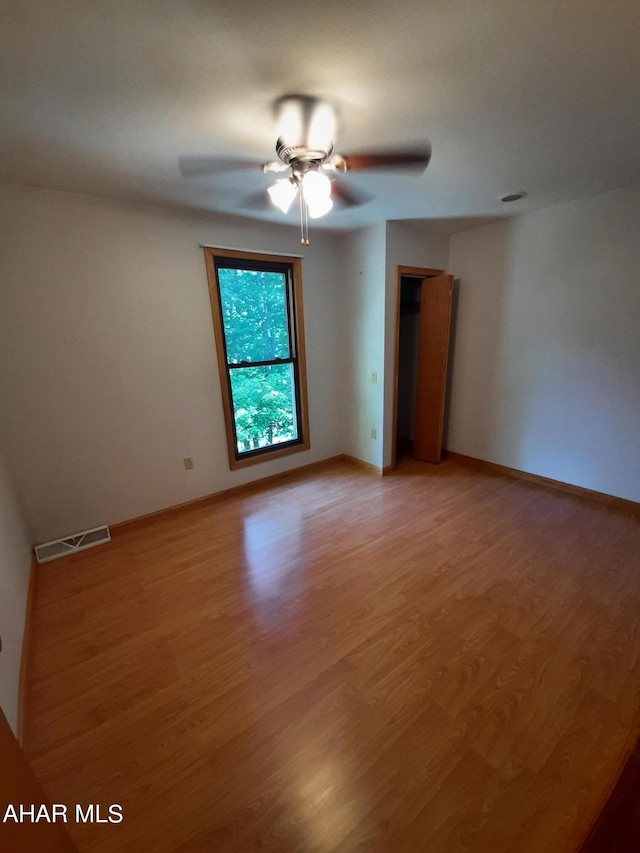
103,97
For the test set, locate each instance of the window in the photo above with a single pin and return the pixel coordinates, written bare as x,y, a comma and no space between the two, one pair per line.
256,301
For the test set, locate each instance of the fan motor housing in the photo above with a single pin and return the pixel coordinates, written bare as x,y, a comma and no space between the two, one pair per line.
300,153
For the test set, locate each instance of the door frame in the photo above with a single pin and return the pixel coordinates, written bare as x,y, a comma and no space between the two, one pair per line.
412,272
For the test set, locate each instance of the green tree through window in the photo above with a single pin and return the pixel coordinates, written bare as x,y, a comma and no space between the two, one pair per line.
259,323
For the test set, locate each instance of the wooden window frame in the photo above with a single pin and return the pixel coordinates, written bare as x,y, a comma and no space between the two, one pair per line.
297,338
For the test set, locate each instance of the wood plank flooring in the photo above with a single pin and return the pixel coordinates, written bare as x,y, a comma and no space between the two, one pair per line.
439,660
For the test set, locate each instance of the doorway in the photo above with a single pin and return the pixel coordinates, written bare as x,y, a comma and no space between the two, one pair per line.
423,316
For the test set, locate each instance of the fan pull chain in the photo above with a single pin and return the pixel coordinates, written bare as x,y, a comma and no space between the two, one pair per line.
306,222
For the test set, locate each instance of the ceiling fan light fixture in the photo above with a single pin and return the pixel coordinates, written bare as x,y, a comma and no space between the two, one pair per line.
322,127
319,207
290,121
316,187
306,126
282,193
316,190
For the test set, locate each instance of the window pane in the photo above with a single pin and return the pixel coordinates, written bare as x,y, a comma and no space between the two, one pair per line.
254,312
263,406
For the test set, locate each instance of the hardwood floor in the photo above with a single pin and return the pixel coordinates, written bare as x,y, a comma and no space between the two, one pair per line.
439,660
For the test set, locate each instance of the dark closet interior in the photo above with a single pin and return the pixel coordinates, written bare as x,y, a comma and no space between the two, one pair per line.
408,349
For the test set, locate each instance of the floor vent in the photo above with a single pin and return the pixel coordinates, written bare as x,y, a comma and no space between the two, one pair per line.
71,544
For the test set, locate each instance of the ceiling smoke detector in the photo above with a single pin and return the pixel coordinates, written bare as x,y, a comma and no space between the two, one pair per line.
511,197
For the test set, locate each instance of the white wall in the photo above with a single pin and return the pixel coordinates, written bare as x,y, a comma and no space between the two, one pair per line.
107,360
15,564
408,244
362,328
546,366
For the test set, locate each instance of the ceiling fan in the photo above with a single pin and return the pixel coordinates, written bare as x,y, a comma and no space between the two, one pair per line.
306,127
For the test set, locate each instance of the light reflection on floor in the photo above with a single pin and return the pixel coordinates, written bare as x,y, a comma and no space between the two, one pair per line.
274,559
319,788
325,797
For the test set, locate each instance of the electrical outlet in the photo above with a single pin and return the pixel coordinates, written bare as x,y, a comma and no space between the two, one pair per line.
374,377
188,463
374,433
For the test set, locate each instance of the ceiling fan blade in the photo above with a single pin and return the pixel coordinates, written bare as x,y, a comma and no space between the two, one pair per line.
193,166
346,196
411,159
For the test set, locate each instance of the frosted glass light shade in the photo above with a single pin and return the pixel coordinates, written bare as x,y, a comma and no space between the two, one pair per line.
319,207
316,189
306,122
322,127
283,193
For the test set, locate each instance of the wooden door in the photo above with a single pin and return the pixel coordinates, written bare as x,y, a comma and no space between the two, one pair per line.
435,319
18,786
